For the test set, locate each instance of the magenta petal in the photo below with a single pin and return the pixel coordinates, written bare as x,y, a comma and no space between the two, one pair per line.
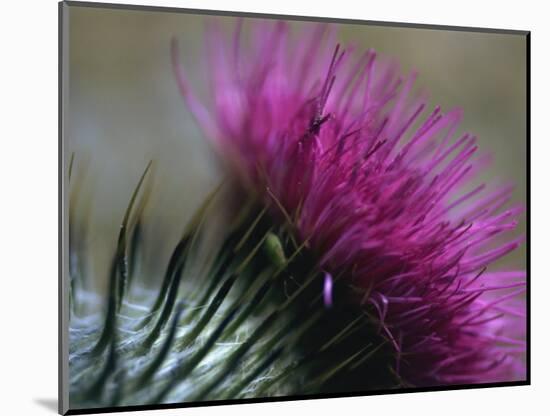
327,290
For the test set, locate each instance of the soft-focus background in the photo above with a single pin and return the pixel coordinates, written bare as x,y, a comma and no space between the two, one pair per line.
124,109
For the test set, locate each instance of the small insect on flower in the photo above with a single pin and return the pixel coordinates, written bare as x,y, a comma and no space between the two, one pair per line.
341,146
274,250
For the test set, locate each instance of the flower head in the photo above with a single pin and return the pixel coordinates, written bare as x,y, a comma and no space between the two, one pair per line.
382,190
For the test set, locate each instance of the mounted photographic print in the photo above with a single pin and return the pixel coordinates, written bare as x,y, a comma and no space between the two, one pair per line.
263,208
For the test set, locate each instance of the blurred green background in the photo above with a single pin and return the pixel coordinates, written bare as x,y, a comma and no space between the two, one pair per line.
124,110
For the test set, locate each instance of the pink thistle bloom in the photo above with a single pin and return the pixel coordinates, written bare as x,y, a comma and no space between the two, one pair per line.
339,140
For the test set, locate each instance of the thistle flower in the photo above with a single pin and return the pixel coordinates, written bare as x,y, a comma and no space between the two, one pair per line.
383,193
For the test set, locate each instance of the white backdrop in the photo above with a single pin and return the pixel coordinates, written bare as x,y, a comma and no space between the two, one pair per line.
28,207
